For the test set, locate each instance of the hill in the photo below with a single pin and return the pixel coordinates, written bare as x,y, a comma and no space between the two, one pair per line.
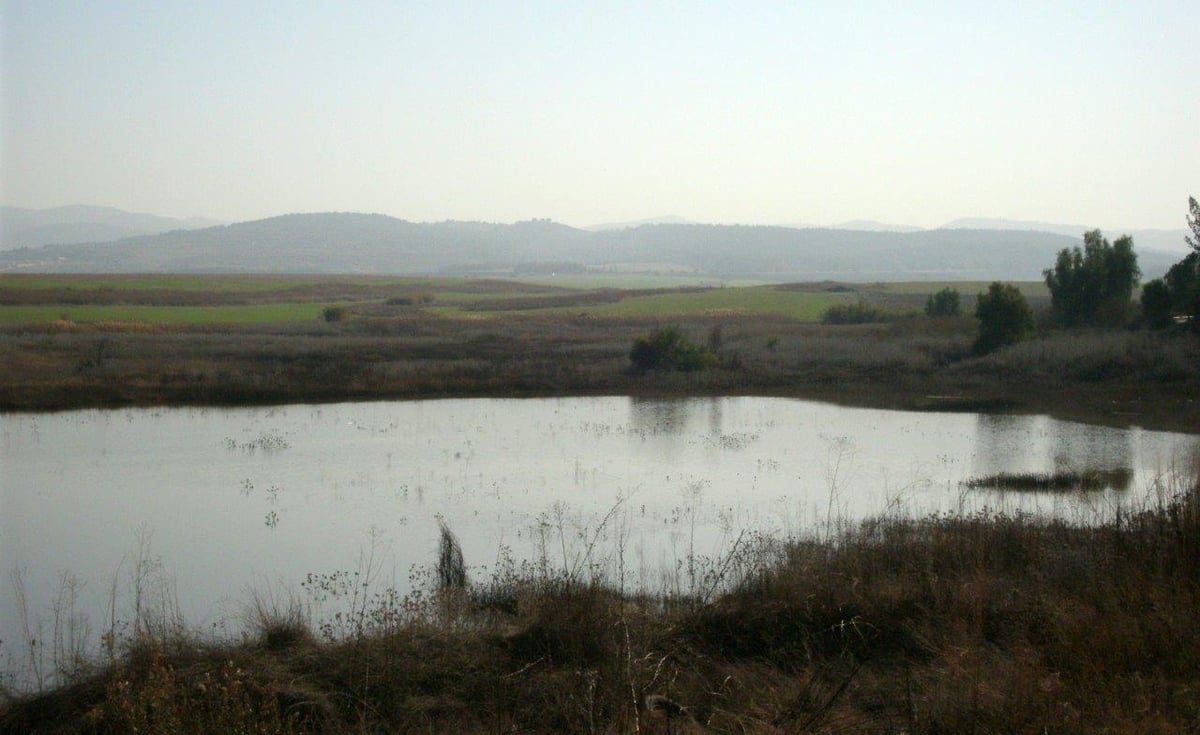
1170,241
374,243
29,228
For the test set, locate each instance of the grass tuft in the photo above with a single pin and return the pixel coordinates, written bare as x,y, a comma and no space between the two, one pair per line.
451,569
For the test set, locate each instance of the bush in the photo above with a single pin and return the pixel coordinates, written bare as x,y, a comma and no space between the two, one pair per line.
859,313
1004,318
1156,304
451,569
335,314
667,349
944,303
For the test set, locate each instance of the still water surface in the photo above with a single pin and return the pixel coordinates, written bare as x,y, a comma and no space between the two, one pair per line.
232,500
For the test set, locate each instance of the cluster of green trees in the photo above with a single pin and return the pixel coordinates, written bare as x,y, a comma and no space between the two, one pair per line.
1093,286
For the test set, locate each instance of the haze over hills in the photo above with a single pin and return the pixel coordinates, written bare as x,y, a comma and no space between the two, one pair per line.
373,243
870,225
1143,239
670,219
21,227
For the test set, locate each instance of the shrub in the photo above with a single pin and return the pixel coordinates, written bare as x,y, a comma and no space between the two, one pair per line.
451,570
335,314
668,349
1004,318
944,303
1156,304
859,313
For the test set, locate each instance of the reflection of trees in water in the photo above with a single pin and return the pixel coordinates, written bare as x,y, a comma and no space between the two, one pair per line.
1014,444
673,415
1003,443
1083,449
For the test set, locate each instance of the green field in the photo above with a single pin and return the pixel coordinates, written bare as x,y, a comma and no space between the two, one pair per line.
248,299
968,289
800,305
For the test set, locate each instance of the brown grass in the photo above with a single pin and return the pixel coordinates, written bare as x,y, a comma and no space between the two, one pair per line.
1116,377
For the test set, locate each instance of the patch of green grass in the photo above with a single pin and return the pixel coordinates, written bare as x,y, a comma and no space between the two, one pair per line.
799,305
249,314
757,300
968,289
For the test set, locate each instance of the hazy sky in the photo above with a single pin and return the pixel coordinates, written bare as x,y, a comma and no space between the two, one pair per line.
803,112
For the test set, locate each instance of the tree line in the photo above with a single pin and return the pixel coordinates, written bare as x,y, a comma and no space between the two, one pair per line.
1093,286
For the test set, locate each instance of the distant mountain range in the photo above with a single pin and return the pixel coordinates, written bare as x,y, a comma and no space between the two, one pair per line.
373,243
29,228
669,219
1143,239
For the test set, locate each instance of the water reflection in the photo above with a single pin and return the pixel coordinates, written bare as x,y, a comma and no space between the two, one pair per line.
1001,441
675,415
1082,449
1008,444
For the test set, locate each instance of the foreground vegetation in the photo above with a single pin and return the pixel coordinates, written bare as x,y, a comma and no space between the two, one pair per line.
983,623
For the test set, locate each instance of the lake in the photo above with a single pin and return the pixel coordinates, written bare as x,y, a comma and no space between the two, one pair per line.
221,502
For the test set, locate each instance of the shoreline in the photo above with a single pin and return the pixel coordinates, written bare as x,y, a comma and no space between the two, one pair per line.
1132,407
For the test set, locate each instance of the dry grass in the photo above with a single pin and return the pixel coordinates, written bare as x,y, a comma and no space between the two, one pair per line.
918,363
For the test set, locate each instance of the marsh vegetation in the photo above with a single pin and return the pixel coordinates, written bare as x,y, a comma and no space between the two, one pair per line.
263,340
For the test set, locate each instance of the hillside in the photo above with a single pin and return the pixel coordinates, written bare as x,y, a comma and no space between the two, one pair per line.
30,228
373,243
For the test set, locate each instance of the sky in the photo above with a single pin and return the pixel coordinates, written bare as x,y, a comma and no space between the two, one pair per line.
749,112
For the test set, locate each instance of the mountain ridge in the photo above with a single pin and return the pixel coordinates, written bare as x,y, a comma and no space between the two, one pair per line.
351,242
83,223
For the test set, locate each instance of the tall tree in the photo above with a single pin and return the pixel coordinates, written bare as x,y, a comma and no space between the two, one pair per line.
1156,304
1183,279
1193,221
1094,285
